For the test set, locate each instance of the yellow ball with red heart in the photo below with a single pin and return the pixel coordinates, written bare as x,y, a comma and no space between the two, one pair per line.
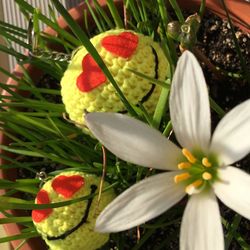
85,87
71,227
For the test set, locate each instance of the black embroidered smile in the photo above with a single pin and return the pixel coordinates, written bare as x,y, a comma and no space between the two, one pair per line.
156,76
83,220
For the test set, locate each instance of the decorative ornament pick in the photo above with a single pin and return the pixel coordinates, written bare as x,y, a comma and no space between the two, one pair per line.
71,227
85,87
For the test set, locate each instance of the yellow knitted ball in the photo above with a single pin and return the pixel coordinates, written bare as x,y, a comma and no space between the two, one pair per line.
71,227
85,87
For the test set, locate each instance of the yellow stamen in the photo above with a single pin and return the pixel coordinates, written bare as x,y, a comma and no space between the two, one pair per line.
188,155
184,165
181,177
207,176
206,162
190,188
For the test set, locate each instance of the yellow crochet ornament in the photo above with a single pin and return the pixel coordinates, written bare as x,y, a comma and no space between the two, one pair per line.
85,87
71,227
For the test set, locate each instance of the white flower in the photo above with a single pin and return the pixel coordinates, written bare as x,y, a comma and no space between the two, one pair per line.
201,169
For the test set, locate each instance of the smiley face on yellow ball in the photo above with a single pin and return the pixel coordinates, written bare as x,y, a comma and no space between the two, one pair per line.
85,87
71,227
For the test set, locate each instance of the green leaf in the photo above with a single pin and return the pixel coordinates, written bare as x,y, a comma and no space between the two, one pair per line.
152,80
20,151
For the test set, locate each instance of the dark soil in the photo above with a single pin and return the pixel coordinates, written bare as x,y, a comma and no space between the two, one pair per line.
216,44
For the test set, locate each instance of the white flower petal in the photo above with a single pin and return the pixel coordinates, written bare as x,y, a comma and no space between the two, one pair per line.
233,190
189,104
140,203
231,138
133,141
201,227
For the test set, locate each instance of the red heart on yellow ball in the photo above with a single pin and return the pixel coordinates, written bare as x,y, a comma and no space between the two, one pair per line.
92,75
123,45
67,186
40,214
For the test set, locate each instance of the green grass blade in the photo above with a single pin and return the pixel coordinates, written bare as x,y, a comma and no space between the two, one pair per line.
94,16
152,80
14,39
202,8
103,14
177,11
216,107
160,108
114,12
10,51
19,236
15,220
20,151
48,22
232,229
13,27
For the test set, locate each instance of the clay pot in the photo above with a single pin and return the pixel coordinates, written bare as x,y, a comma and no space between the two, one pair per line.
239,11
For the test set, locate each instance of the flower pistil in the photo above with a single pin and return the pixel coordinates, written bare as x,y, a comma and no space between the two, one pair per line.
199,171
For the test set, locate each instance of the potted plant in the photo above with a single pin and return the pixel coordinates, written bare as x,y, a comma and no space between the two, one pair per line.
45,149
